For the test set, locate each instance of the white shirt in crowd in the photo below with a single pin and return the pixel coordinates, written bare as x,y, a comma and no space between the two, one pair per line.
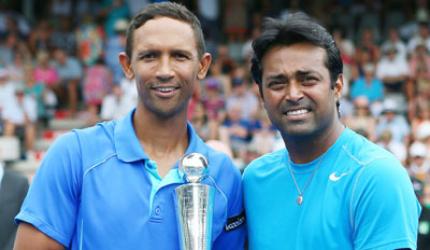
16,110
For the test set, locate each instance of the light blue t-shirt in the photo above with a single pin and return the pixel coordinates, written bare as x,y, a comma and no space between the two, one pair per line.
93,190
360,197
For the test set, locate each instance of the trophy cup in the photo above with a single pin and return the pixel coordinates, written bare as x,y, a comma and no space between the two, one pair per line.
195,204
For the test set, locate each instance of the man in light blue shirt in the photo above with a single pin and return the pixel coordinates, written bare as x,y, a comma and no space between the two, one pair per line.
330,188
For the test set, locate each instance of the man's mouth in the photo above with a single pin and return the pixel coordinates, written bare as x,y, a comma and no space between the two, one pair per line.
165,89
297,112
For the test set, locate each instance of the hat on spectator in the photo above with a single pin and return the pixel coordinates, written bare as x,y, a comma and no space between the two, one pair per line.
389,105
423,131
369,68
418,149
121,25
212,83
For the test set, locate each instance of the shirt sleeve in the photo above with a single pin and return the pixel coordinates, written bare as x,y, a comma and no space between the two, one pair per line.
384,207
53,199
234,232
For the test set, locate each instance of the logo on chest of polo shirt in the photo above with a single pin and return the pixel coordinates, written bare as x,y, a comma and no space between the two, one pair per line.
336,177
235,222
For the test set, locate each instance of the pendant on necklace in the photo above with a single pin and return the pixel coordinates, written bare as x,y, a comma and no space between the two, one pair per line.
299,200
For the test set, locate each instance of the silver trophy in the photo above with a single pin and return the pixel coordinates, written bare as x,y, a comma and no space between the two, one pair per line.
195,204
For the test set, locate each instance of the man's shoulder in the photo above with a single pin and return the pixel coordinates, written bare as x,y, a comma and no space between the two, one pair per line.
99,131
87,139
265,164
368,154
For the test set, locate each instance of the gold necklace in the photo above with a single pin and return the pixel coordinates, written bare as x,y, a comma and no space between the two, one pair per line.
300,192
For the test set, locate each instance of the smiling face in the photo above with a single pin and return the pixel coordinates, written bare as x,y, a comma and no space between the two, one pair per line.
297,92
165,64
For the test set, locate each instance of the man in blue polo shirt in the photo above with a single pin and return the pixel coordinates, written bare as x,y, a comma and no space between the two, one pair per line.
112,186
330,188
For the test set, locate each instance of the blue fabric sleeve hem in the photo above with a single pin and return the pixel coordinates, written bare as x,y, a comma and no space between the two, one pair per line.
43,227
398,244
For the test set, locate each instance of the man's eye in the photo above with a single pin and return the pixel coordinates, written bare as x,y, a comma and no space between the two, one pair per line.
148,56
309,80
180,56
275,85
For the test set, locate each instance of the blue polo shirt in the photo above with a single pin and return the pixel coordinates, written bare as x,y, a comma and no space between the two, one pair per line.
93,190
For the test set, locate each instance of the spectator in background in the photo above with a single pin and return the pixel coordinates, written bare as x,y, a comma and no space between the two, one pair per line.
362,57
362,120
111,12
63,36
36,90
368,42
394,40
423,134
419,68
17,67
89,40
422,37
368,86
391,120
235,130
20,116
69,72
242,98
96,84
419,113
8,47
398,149
7,90
393,71
224,78
46,73
201,123
40,37
115,44
419,164
213,101
116,104
263,135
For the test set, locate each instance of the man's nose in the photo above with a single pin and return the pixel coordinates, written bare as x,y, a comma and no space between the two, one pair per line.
294,91
164,70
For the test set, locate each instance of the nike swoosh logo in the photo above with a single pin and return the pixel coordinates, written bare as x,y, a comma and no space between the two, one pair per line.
334,177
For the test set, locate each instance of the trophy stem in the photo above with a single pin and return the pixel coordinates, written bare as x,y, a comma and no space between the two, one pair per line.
195,211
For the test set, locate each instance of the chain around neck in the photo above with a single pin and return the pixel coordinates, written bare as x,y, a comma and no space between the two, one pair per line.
300,192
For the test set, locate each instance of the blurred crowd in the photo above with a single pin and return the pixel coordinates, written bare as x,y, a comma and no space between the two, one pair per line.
63,64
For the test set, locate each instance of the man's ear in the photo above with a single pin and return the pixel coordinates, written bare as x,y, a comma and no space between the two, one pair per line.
125,62
205,62
338,87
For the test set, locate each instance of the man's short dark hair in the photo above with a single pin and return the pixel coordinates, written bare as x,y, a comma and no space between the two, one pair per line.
296,28
166,9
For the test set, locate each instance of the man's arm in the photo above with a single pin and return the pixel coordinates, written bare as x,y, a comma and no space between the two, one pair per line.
28,237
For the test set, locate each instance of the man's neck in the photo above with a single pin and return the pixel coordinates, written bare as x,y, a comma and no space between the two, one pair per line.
307,149
164,140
